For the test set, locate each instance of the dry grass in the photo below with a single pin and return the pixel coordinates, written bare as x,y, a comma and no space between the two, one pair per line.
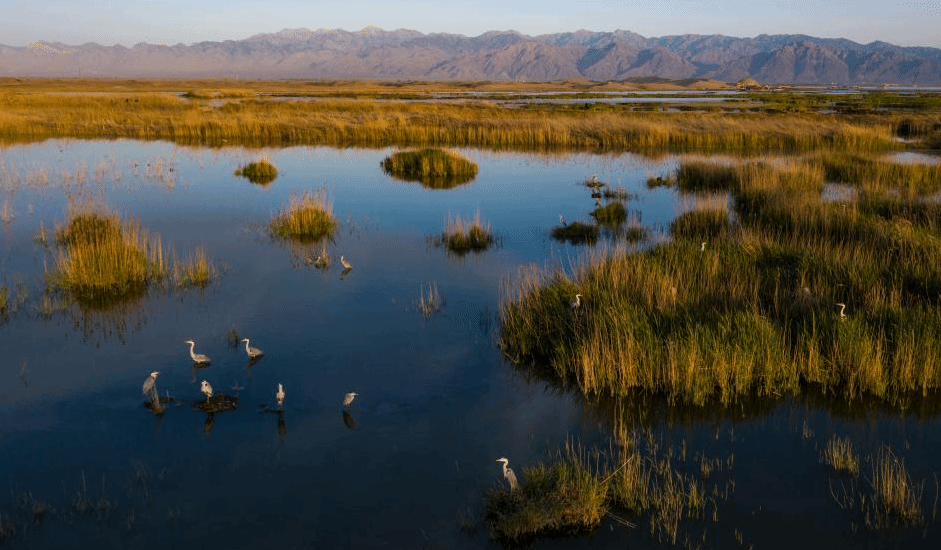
840,455
434,168
261,172
429,302
308,218
463,236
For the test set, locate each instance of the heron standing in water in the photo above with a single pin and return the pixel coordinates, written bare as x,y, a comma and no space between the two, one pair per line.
348,398
508,474
207,390
344,263
252,352
197,357
150,385
280,396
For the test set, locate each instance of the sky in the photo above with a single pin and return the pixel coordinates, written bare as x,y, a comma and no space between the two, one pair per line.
128,22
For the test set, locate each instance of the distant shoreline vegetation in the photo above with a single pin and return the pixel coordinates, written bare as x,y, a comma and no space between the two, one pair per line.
373,114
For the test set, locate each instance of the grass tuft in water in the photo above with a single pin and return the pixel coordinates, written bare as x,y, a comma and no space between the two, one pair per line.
102,258
840,455
576,233
433,168
429,302
463,236
895,500
308,218
195,270
261,172
612,215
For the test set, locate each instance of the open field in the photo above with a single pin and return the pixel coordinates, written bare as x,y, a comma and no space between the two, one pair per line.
381,114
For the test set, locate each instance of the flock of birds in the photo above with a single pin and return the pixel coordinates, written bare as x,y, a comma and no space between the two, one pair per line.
150,383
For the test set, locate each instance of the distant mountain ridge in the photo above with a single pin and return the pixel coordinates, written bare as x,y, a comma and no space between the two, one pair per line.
496,55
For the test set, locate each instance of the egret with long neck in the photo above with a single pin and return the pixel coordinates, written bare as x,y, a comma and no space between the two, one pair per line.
508,474
252,352
197,357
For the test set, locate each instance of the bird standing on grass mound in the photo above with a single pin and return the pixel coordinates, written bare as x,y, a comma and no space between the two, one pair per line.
508,474
207,390
150,385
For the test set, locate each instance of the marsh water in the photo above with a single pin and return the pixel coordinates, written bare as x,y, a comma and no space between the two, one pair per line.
410,462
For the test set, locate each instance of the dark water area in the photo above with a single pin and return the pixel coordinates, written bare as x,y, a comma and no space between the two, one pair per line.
409,463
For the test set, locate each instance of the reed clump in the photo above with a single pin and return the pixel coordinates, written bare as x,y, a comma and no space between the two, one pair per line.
463,236
612,215
194,270
576,233
429,302
840,455
433,168
751,313
261,172
102,258
895,499
308,218
576,488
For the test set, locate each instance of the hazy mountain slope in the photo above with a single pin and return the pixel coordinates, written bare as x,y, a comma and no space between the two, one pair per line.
495,55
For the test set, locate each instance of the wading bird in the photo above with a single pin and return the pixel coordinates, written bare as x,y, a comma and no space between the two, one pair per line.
252,352
207,390
577,302
508,474
280,395
703,247
197,357
842,309
348,398
150,385
344,263
561,220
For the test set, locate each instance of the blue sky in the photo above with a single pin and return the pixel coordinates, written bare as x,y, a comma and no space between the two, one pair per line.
128,22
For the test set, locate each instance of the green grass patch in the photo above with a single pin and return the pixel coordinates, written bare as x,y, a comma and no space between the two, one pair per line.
433,168
576,233
194,270
752,313
103,258
261,172
612,215
308,218
463,236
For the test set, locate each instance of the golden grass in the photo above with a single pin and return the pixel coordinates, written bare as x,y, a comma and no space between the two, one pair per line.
840,455
463,236
103,258
434,168
308,218
194,270
41,111
429,302
753,312
261,171
895,499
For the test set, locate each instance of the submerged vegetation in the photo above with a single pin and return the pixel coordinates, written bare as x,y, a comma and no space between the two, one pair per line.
261,172
308,218
742,303
433,168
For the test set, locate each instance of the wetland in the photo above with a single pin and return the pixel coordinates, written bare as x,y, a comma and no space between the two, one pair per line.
705,390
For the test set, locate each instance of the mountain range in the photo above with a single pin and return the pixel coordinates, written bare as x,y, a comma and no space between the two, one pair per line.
403,54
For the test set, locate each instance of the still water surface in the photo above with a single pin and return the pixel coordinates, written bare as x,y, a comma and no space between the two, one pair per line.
410,463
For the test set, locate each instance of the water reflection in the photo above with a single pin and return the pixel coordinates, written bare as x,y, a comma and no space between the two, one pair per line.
348,421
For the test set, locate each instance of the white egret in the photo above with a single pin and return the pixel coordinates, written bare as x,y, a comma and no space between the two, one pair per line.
577,302
344,263
508,474
150,385
252,352
842,309
561,220
703,247
207,390
280,395
348,398
197,357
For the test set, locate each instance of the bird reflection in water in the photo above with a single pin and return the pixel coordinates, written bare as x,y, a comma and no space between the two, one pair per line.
348,421
252,362
282,427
